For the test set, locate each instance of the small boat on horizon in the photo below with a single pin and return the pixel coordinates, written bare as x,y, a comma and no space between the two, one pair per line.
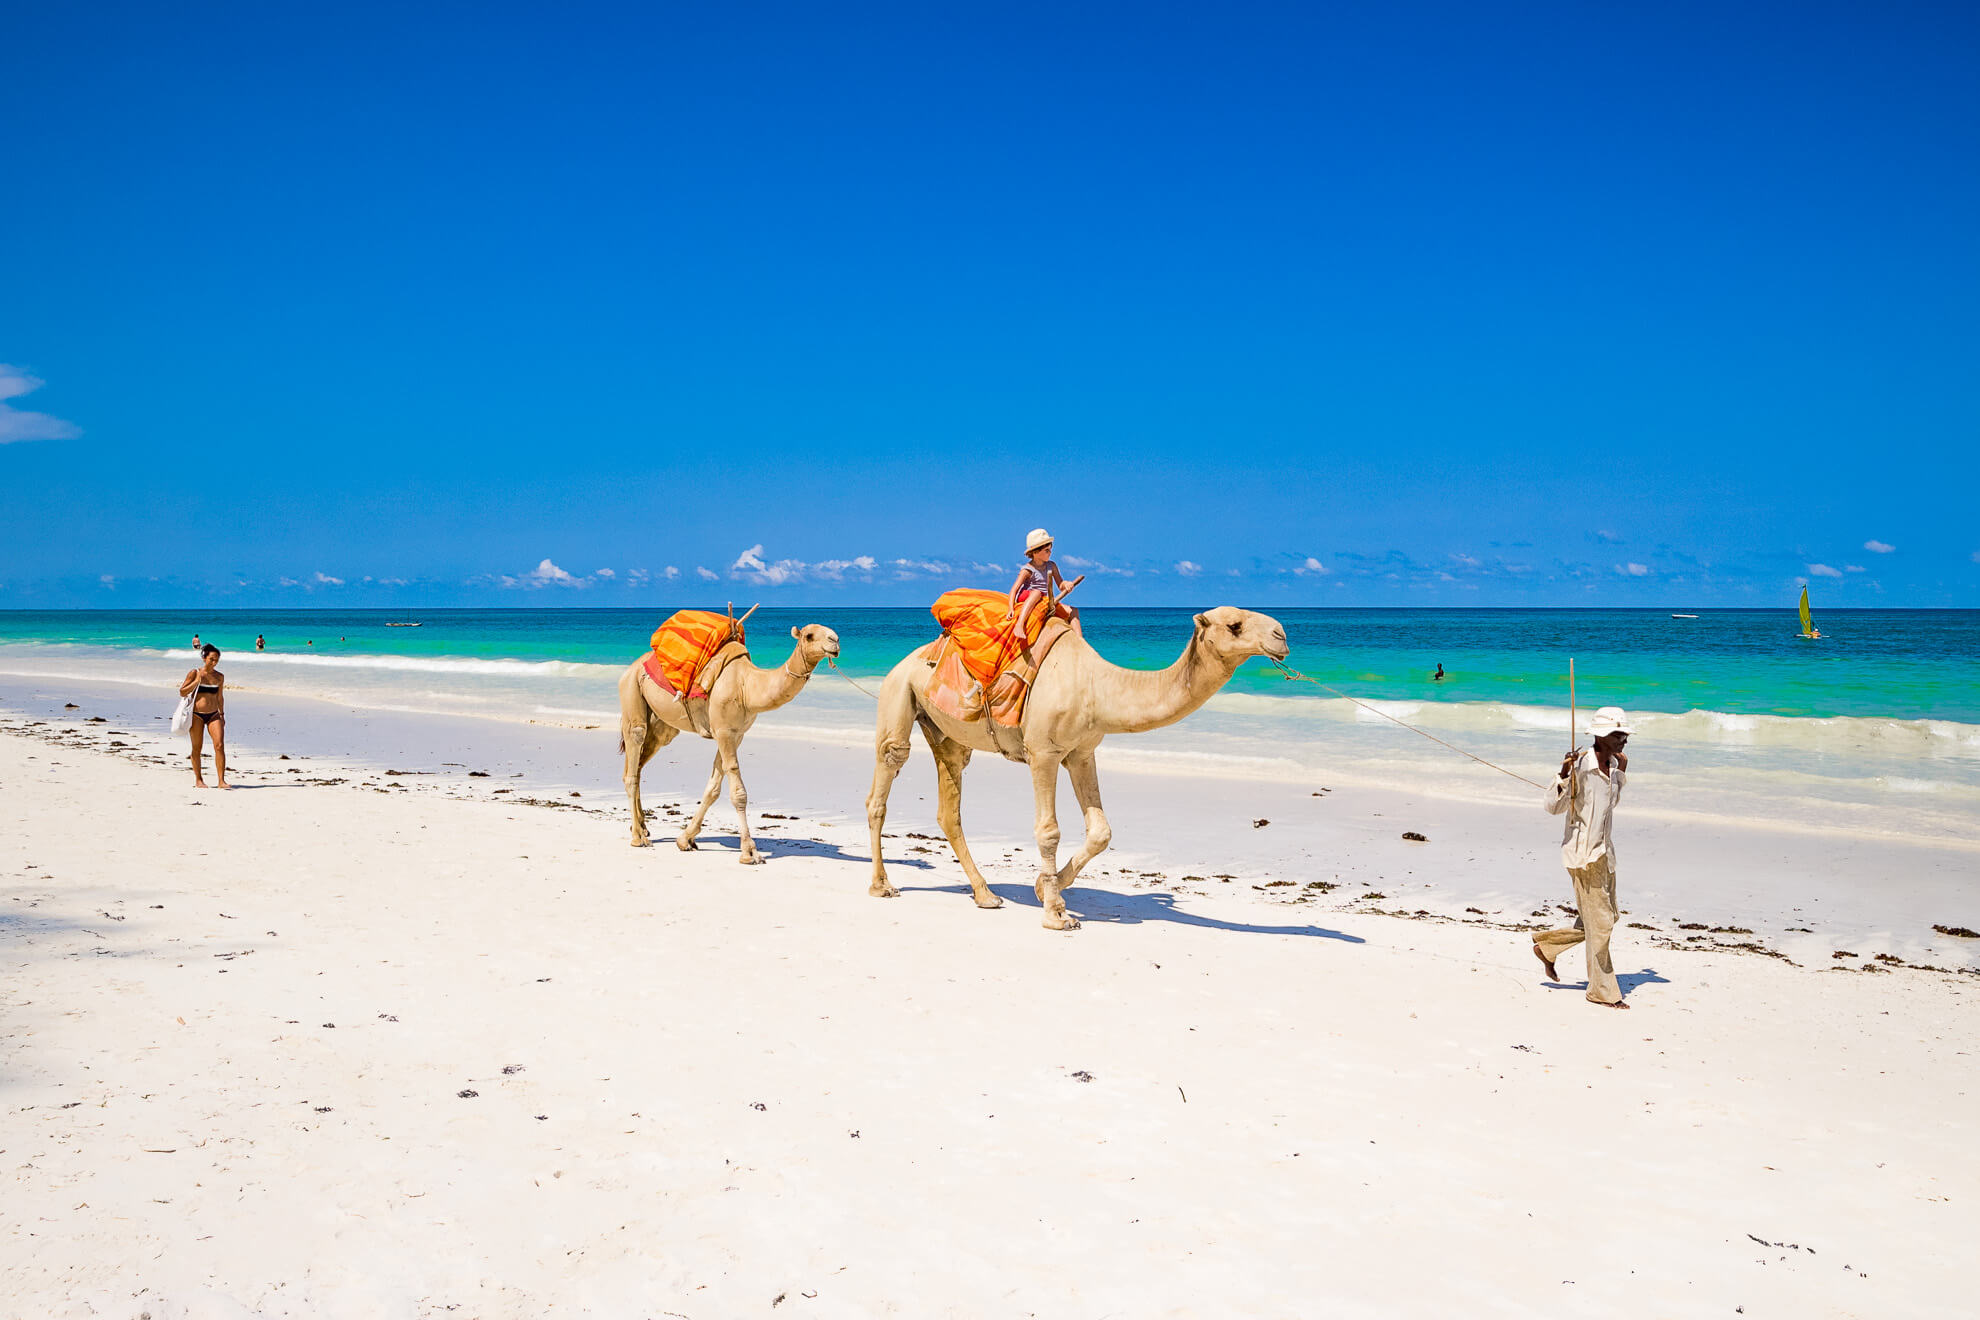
1684,616
407,624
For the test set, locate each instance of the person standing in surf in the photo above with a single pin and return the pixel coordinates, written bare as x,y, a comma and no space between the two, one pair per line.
1586,791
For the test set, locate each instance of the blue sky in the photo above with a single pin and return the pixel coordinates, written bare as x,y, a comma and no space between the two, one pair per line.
1273,304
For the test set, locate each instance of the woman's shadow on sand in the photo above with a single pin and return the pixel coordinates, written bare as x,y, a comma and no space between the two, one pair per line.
1098,905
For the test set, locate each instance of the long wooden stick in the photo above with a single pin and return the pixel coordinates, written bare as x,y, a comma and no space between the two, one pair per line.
1573,737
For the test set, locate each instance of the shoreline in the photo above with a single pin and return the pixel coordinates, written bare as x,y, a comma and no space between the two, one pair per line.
363,1049
1795,893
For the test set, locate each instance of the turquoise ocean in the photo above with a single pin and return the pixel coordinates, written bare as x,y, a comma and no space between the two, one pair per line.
1873,728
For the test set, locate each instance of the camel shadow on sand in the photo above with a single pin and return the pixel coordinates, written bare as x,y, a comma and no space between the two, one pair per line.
1095,906
769,847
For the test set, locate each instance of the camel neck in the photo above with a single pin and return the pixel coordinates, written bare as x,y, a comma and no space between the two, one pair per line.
1136,700
767,689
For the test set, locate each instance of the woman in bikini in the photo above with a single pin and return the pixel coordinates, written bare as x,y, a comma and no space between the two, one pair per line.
206,685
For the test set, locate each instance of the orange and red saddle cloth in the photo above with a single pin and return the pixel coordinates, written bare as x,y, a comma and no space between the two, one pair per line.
979,666
685,647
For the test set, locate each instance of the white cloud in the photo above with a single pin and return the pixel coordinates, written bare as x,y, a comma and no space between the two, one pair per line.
1633,570
834,570
1311,566
605,573
1189,568
704,574
325,580
109,580
1608,538
909,568
986,568
1823,570
637,577
18,425
1466,561
1877,547
670,572
1852,568
545,574
750,565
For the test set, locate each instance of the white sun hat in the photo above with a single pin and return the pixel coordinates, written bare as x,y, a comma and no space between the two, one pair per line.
1037,537
1609,719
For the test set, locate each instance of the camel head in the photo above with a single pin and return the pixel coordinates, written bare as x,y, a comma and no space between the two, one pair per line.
1232,635
815,643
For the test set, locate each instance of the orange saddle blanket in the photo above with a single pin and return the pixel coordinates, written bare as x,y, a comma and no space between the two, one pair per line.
985,641
683,646
979,667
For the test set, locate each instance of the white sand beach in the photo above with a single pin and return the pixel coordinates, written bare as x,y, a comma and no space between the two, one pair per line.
346,1043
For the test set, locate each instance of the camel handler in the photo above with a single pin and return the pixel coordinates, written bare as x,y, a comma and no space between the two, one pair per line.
1589,786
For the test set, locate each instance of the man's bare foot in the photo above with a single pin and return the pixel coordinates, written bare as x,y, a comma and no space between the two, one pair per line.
1618,1004
1547,963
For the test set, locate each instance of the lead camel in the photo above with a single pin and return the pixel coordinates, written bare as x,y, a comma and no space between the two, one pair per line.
1077,700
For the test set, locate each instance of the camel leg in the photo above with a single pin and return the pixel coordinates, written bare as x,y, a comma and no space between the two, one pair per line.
1084,771
725,757
1045,792
891,745
633,745
641,733
686,840
950,759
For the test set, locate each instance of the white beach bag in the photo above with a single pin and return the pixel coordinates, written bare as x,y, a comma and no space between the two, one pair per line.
182,717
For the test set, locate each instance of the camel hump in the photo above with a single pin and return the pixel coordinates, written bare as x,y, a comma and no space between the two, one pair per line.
985,637
685,645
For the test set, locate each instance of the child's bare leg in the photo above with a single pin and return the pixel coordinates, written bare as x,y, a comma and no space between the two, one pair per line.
1025,612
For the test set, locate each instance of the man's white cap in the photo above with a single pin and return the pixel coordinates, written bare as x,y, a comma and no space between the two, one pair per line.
1037,537
1609,719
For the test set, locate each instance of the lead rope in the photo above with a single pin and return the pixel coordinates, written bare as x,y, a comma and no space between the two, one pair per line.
1292,673
848,677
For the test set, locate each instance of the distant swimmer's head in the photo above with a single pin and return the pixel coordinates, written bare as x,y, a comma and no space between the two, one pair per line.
1039,540
1611,723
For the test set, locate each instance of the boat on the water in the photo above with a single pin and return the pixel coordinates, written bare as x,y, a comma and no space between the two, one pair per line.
405,625
1684,616
1809,632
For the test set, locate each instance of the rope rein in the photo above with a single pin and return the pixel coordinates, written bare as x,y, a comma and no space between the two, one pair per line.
848,677
1291,673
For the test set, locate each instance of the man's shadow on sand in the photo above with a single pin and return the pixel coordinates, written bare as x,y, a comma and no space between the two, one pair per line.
1105,905
1629,981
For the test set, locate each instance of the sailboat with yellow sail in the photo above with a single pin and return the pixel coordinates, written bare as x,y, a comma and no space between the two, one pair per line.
1809,632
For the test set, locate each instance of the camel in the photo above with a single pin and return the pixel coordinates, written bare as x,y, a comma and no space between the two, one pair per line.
649,719
1077,700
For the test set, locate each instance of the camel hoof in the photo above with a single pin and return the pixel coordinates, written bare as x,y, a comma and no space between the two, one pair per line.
881,889
685,844
641,841
751,858
988,901
1061,921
